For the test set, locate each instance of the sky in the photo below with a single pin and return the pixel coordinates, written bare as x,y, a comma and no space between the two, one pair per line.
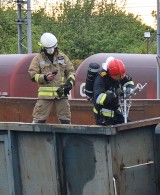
140,7
143,8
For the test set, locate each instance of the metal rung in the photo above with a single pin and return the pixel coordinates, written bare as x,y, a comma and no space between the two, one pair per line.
143,164
115,187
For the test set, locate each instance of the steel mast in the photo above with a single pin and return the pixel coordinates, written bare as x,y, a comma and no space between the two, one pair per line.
22,23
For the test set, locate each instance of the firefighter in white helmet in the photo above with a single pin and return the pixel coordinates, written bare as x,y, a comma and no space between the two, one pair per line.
107,85
55,76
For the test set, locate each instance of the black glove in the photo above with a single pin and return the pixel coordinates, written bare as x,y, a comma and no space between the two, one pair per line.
60,91
67,87
129,91
115,104
115,101
119,92
111,99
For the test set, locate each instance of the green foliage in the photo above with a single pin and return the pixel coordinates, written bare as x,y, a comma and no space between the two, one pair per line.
8,31
76,63
82,28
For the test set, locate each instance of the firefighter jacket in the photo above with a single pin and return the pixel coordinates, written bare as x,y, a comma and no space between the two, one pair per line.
41,65
103,86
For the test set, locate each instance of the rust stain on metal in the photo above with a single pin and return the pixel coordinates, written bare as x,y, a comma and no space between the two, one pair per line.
20,110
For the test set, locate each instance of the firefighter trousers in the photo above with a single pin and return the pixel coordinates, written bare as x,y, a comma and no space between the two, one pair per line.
43,108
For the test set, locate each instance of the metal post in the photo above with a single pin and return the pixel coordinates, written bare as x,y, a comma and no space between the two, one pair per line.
29,31
23,23
125,105
158,49
19,21
147,36
147,44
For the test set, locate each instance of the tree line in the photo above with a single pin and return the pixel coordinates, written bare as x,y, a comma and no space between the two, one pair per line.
83,28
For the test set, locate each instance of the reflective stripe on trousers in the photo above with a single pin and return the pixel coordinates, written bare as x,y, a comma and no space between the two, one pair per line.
104,112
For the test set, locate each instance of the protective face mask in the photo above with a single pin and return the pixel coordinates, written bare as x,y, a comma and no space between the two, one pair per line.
50,50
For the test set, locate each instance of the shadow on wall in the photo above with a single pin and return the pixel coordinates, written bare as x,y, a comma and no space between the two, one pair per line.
79,157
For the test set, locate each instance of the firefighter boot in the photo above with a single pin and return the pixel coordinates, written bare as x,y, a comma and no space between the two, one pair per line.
62,121
38,121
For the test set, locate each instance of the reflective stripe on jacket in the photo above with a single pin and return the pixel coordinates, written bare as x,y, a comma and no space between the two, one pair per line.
106,112
41,66
128,83
48,91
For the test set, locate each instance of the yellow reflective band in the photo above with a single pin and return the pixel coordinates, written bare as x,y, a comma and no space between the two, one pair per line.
128,83
50,94
71,83
45,94
62,80
48,89
72,76
95,111
40,44
107,113
119,109
36,77
99,98
102,99
56,94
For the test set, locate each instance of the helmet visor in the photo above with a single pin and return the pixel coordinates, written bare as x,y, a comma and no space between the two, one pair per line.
54,46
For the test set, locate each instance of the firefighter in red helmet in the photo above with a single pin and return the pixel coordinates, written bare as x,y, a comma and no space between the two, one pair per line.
107,85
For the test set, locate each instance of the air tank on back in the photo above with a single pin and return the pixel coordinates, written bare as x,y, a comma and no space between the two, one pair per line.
92,72
141,67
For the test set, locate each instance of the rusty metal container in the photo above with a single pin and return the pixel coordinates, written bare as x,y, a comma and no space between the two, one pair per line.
20,110
82,160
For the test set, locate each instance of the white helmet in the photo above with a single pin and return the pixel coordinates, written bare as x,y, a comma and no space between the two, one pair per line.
105,64
48,40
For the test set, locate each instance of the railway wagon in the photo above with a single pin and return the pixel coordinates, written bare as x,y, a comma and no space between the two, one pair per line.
15,81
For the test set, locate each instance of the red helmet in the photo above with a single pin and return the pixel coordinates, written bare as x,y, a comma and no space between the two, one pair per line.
116,69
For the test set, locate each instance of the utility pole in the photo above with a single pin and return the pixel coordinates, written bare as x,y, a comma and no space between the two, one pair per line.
23,22
158,49
147,36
